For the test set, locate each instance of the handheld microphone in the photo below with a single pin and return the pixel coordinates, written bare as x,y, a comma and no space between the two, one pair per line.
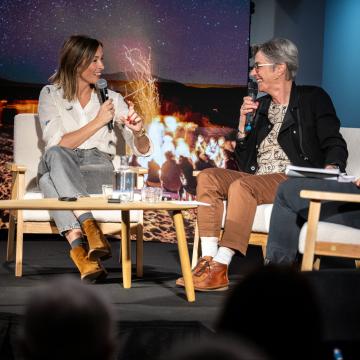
101,86
252,92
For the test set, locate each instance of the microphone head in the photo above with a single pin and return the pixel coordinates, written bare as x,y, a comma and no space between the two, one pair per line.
252,89
101,84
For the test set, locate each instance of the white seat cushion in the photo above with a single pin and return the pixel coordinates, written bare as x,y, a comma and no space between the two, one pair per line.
262,218
329,232
100,215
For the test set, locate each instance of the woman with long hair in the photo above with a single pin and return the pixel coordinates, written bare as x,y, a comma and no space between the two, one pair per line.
78,141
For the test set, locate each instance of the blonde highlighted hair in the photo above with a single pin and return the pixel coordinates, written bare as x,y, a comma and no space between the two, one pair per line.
75,56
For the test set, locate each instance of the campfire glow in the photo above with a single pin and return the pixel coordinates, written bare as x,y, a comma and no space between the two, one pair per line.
186,139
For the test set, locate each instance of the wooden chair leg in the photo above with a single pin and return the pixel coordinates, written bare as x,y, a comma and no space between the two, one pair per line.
19,244
17,180
10,250
139,250
357,263
311,235
195,252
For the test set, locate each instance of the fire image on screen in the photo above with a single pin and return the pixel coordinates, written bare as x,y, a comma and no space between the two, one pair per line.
198,53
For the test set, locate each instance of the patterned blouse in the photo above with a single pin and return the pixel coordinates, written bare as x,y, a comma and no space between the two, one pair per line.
271,158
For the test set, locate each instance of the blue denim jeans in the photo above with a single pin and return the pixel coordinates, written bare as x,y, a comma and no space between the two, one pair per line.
73,173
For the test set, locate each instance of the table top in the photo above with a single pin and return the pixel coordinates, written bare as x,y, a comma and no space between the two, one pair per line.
94,203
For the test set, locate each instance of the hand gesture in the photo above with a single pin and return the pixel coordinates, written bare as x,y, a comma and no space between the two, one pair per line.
133,120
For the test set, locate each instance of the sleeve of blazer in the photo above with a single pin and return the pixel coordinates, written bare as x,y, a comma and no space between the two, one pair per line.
331,141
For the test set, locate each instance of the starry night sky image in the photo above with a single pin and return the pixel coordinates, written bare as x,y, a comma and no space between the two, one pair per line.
191,41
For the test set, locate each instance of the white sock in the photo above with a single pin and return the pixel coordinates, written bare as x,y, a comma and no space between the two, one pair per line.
209,246
224,255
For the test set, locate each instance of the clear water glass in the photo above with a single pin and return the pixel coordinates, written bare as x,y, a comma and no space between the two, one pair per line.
151,194
107,191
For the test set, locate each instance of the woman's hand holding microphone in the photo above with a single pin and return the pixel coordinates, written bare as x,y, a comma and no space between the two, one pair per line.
248,106
106,112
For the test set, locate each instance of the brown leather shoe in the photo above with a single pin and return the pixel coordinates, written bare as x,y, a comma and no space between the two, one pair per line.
89,270
99,247
213,276
200,264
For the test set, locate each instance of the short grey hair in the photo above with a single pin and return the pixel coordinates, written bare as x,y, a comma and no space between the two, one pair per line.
280,51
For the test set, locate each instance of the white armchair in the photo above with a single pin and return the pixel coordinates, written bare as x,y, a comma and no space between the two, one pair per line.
28,148
324,238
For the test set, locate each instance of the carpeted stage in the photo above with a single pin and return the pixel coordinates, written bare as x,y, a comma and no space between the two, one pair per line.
154,313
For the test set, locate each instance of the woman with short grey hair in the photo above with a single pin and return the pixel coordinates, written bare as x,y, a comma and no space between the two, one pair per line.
290,125
280,51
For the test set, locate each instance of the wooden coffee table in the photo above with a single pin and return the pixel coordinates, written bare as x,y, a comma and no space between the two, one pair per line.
99,203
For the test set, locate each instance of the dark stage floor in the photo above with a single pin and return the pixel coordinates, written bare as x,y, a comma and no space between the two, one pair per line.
153,297
154,309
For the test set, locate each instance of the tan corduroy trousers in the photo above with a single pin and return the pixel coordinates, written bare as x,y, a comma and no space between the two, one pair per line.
243,193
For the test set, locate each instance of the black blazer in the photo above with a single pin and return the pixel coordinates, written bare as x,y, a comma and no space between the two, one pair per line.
309,134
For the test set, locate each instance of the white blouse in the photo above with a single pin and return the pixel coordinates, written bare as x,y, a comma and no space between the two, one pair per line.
59,116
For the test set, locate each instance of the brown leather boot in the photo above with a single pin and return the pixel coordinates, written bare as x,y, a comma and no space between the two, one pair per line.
99,247
200,264
89,270
213,276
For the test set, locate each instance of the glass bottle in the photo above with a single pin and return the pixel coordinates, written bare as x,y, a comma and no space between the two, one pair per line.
124,180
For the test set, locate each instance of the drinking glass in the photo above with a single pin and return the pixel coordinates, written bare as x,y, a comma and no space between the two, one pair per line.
151,194
107,191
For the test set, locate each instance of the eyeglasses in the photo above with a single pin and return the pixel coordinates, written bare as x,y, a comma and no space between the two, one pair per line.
257,66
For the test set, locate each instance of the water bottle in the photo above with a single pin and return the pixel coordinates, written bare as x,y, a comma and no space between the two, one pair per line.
124,181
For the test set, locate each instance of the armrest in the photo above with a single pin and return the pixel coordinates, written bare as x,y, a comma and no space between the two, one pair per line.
18,180
16,167
330,196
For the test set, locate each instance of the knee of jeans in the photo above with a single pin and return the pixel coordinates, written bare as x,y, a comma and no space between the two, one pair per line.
57,154
43,180
288,189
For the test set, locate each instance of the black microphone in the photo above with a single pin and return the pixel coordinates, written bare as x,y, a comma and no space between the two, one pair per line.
101,86
252,92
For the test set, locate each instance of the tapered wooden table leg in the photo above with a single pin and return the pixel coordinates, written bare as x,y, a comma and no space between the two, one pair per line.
195,254
19,245
139,250
125,248
184,254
